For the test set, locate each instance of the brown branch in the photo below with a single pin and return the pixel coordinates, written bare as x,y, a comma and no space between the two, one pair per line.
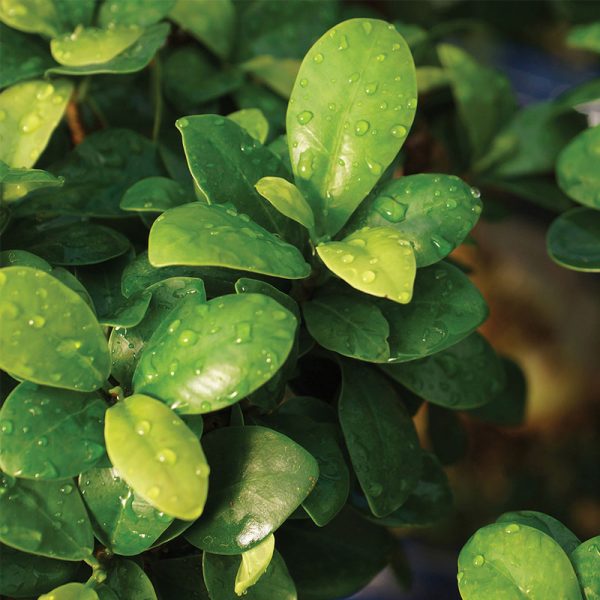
74,123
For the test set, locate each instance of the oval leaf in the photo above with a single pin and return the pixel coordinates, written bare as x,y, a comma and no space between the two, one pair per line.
128,580
49,335
586,561
155,194
352,105
158,456
253,121
71,591
254,564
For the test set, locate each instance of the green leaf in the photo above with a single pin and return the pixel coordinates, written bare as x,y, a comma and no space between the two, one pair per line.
343,127
16,183
128,580
337,560
90,45
133,59
128,314
212,23
25,574
97,173
158,456
59,435
430,79
71,591
563,536
123,522
155,194
181,577
49,335
577,168
78,243
30,112
127,343
220,577
226,163
376,424
133,12
254,564
447,434
287,199
432,212
22,258
252,467
313,408
586,37
207,356
586,561
429,502
503,559
445,308
253,121
573,240
246,285
197,234
374,260
348,324
279,74
483,97
47,518
467,375
23,56
73,283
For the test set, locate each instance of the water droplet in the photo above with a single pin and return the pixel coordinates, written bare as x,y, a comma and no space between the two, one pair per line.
398,131
374,167
475,192
30,123
305,164
174,325
303,82
66,489
143,427
45,92
318,58
412,103
395,47
368,276
304,117
9,310
479,560
403,297
353,77
182,123
37,321
243,332
361,127
460,576
153,492
279,315
348,258
371,88
6,426
367,27
167,456
375,489
343,43
188,338
512,528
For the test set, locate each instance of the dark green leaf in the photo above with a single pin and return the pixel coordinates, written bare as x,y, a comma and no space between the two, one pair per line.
16,183
376,424
180,578
22,258
129,581
49,335
252,468
343,127
447,434
155,194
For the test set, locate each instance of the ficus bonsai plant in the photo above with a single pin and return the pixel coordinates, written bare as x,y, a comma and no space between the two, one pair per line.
224,298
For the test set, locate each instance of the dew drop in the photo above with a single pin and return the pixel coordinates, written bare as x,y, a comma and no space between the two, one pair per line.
479,560
143,427
368,276
6,426
188,338
371,88
304,117
367,27
37,321
153,492
348,258
167,456
475,192
318,58
182,123
512,528
398,131
361,127
303,82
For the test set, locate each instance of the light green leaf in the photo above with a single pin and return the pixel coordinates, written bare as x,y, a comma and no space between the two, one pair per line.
253,121
58,436
197,234
375,423
586,37
133,59
251,467
207,356
279,74
210,22
287,199
155,194
573,240
577,168
503,559
254,564
430,79
133,12
15,183
158,456
586,561
46,518
49,335
30,113
86,46
432,212
349,113
374,260
71,591
466,375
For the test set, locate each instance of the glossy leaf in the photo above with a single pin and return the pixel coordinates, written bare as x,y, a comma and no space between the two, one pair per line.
337,560
563,536
573,240
25,574
47,518
133,12
30,112
466,375
49,335
348,324
253,121
71,591
445,308
432,212
154,194
586,562
58,435
212,23
133,59
123,522
254,564
128,580
252,468
375,423
350,111
505,558
577,168
246,285
287,199
197,234
220,575
375,260
158,456
128,314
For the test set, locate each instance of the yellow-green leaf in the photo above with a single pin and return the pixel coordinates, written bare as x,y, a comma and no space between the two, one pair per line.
254,563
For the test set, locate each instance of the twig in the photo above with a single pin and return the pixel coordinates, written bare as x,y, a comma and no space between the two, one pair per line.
74,123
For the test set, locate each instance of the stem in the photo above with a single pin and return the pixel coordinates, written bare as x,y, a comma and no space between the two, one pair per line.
157,97
74,123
